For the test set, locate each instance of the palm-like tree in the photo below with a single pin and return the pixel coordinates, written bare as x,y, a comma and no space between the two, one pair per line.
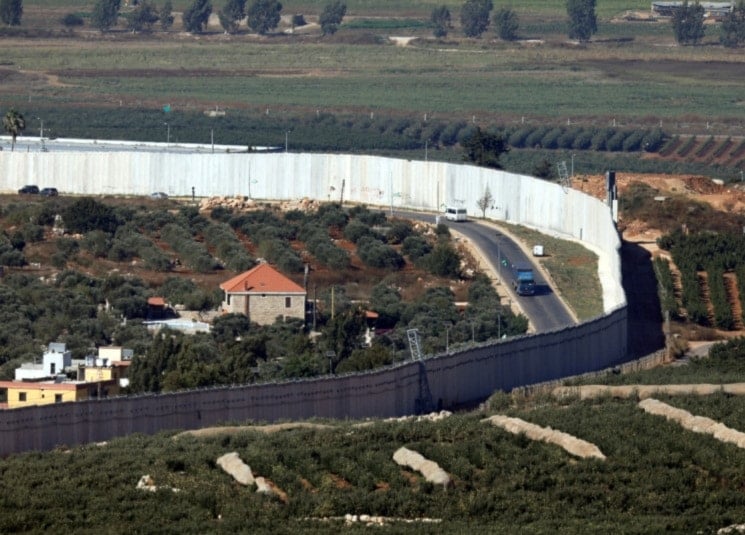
13,124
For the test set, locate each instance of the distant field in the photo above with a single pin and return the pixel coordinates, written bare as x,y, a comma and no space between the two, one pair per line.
632,76
459,81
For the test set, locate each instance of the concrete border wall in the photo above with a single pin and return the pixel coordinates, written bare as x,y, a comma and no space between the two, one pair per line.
372,180
445,381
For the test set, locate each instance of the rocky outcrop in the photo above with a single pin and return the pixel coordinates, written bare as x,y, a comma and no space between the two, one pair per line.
429,469
697,424
148,484
232,464
646,391
570,443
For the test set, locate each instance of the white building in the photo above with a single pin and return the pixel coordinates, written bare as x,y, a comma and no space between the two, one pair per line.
54,362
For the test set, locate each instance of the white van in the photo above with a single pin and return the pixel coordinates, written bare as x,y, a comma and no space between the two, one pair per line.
455,214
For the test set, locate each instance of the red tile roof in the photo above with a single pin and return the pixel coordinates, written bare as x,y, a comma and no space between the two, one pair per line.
261,279
156,301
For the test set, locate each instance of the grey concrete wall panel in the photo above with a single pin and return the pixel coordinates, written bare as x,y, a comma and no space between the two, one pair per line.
453,380
446,381
372,180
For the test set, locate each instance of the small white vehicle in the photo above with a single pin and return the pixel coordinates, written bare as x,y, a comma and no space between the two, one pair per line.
453,213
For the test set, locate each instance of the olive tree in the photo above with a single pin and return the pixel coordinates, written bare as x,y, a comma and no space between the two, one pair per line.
331,17
582,20
688,23
474,17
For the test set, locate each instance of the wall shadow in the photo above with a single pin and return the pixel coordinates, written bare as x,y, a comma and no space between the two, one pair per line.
645,322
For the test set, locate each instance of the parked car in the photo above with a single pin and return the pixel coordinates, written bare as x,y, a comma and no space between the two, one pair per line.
158,195
49,192
29,190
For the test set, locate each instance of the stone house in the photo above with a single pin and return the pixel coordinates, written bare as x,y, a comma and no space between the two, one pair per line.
263,294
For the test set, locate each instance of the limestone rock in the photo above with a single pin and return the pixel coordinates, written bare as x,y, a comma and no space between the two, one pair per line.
232,464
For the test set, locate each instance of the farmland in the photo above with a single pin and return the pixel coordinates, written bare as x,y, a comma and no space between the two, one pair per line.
631,76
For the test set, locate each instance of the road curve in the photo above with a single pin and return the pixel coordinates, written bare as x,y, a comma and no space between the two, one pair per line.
545,309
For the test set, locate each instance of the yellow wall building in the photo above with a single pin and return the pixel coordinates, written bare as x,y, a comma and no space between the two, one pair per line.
27,393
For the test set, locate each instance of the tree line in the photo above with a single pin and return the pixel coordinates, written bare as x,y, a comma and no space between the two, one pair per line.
263,16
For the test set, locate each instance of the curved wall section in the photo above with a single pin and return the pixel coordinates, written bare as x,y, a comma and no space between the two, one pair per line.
372,180
444,381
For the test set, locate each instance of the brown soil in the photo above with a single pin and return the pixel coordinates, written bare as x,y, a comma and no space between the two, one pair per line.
728,200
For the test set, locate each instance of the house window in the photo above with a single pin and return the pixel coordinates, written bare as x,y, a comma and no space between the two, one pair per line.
58,398
288,302
21,396
52,368
228,300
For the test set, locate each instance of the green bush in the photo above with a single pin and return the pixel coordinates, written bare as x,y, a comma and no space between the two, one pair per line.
376,254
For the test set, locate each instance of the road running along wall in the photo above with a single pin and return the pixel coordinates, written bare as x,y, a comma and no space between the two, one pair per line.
445,381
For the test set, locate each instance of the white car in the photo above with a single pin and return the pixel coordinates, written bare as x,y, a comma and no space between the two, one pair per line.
158,195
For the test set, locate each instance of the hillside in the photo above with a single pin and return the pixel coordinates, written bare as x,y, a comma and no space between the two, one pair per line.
652,475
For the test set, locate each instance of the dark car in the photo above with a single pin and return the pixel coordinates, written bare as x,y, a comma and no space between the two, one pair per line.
49,192
29,190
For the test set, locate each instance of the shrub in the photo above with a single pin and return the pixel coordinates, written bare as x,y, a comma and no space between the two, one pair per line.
583,140
87,214
534,138
97,243
550,139
415,247
399,231
633,141
600,138
442,261
518,137
615,141
72,20
355,230
376,254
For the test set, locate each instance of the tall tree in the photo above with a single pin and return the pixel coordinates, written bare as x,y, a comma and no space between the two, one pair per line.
506,24
264,15
166,16
474,17
688,23
13,124
441,21
484,148
583,23
11,12
105,14
144,16
232,14
196,16
732,32
331,17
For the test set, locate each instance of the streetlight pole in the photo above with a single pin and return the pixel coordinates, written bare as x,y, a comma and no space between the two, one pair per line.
286,140
572,175
447,337
41,128
212,138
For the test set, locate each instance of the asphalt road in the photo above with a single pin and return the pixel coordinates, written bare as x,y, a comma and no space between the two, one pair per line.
545,310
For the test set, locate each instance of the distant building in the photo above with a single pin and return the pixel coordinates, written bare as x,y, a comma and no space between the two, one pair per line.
263,294
715,10
55,360
46,383
27,393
